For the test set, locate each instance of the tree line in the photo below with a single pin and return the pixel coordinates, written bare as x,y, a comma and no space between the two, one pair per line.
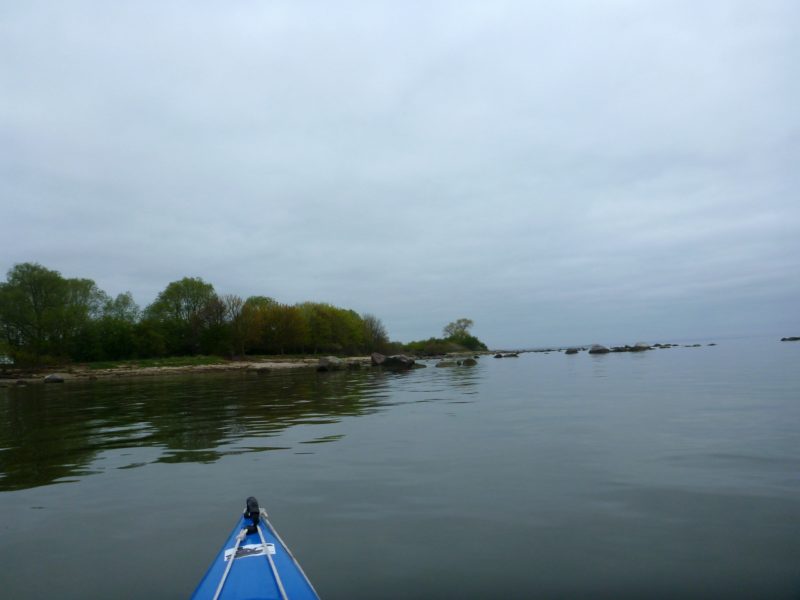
47,318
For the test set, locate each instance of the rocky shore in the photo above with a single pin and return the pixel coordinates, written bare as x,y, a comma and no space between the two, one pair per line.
84,373
10,376
18,377
600,349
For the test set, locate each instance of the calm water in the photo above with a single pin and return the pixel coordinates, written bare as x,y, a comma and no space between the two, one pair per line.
671,473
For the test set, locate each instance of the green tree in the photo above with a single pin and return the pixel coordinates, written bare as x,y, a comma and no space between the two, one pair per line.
123,307
179,313
284,329
30,302
214,328
348,329
181,300
332,329
44,316
149,339
457,329
318,321
458,333
253,326
117,329
470,342
82,307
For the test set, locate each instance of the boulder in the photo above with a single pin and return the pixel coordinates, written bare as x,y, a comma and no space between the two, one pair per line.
446,363
54,379
790,339
498,355
377,359
398,361
469,362
572,351
330,363
640,347
511,355
598,349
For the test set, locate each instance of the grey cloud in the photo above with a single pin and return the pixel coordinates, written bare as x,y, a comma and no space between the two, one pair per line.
555,171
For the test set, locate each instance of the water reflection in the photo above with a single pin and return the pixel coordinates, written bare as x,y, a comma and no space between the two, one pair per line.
446,379
54,433
599,365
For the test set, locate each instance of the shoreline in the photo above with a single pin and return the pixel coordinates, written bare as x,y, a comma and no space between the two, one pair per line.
80,372
13,377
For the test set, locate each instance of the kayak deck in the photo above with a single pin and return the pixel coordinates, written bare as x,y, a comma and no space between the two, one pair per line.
255,564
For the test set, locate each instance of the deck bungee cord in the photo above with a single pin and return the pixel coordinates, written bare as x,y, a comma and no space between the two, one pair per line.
272,564
239,538
275,533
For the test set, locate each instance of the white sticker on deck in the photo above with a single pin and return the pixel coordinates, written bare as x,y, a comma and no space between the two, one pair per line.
249,550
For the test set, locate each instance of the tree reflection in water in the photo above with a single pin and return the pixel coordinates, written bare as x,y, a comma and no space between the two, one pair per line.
50,434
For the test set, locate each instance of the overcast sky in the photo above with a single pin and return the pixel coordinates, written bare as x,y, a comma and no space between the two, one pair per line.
560,172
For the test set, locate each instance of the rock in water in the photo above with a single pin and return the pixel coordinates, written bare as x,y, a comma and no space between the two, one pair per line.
598,349
398,361
572,351
469,362
54,379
